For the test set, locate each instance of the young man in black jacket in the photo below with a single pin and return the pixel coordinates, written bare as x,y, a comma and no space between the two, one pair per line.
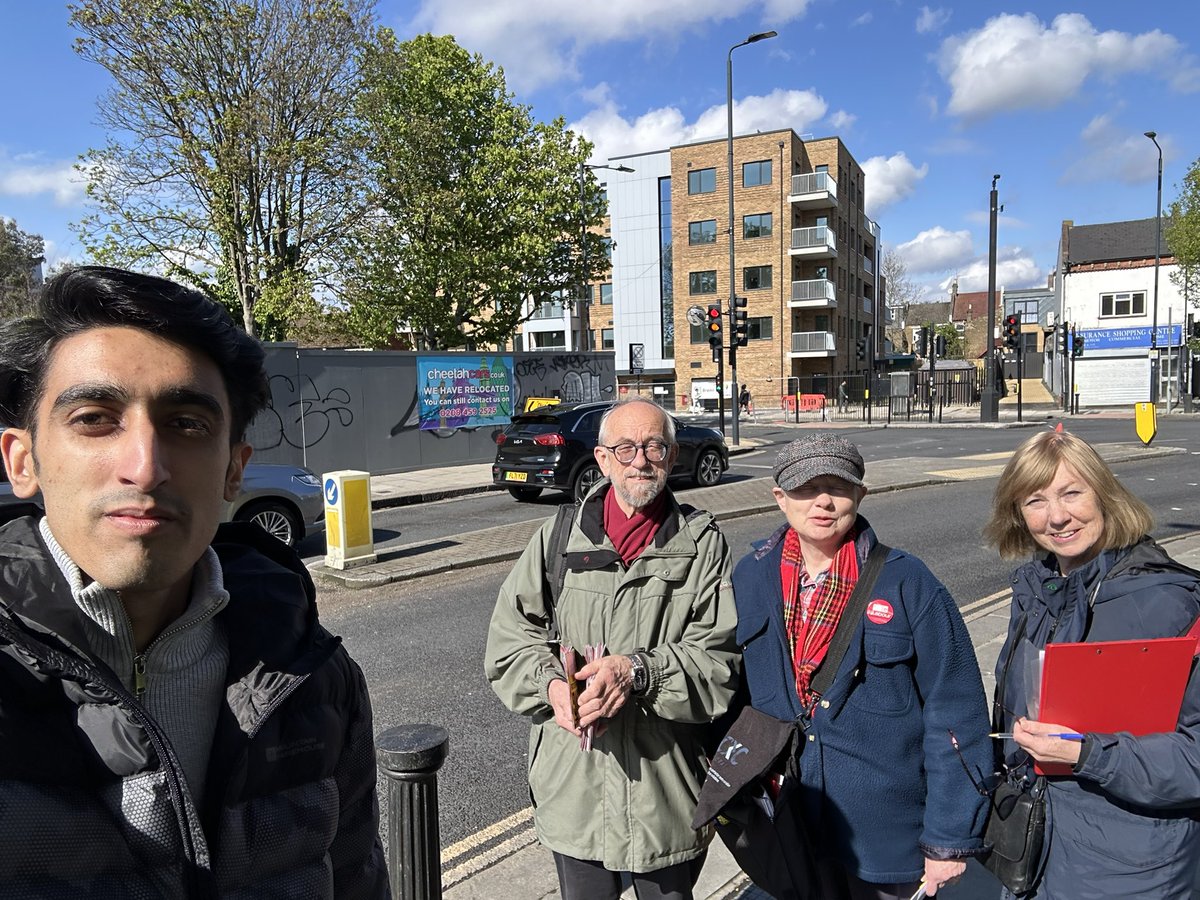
174,721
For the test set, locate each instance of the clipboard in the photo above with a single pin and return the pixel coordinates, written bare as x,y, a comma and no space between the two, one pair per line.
1110,686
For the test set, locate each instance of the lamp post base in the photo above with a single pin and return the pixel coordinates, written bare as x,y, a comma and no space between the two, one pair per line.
989,405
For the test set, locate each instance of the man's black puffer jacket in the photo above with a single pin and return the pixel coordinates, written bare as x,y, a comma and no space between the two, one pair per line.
92,800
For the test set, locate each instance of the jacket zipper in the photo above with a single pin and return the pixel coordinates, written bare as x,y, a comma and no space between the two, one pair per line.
162,748
139,660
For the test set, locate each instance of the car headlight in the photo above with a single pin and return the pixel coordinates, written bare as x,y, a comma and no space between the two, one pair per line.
308,478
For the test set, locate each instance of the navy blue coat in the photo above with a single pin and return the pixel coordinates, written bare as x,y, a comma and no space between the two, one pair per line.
1126,824
883,786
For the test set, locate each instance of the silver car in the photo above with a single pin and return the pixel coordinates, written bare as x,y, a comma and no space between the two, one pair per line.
285,501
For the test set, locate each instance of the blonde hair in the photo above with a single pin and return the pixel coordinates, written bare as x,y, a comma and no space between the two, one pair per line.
1033,466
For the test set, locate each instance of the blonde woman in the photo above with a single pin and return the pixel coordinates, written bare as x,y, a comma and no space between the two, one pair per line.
1124,822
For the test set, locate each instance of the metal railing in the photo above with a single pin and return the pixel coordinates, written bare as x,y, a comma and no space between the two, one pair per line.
812,341
814,183
548,311
813,289
812,237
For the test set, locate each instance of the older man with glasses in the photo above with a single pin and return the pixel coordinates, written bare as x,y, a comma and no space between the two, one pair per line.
645,596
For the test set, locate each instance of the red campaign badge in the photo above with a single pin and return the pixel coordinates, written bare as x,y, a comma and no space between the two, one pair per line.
880,612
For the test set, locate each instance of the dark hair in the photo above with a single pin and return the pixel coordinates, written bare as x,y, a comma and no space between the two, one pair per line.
101,297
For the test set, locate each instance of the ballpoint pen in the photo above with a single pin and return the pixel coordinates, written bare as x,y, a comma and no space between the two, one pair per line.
1061,735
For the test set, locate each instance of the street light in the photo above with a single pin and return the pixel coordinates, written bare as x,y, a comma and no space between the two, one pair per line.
1153,135
585,324
733,418
989,406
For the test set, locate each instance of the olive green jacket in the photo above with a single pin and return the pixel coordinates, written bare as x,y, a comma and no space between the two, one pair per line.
629,802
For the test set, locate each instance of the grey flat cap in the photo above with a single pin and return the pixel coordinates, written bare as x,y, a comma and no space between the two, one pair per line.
820,454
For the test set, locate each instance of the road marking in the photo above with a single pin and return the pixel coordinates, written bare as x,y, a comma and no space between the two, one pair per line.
1002,454
470,842
489,857
969,473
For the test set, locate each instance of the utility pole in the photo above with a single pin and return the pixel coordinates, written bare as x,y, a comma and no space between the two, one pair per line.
989,406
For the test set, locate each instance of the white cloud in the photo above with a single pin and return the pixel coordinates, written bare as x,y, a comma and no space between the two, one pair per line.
864,19
889,180
537,41
1015,269
936,250
1112,154
841,121
26,177
657,129
1017,62
931,19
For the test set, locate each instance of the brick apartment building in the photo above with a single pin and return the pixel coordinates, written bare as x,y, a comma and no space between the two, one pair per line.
806,260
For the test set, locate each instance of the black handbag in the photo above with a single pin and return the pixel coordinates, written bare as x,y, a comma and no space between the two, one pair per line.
765,834
1016,826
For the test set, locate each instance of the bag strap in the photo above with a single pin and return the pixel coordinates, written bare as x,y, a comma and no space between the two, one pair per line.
555,569
855,607
998,695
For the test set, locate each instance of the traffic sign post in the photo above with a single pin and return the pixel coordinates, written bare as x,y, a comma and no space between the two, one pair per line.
1145,421
349,537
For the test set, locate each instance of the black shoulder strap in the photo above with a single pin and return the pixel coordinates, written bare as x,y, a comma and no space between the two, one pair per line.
855,607
556,566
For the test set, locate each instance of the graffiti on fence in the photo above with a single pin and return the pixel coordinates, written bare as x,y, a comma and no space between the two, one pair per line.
299,415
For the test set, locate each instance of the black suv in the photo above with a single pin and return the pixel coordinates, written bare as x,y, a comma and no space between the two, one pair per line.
551,447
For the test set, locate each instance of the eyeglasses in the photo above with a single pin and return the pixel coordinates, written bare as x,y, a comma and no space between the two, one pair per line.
627,451
987,784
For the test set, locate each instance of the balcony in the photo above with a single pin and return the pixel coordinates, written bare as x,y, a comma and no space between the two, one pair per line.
812,344
818,293
817,190
868,265
815,242
547,311
871,227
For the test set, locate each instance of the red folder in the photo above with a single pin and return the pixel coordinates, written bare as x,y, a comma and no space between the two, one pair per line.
1111,686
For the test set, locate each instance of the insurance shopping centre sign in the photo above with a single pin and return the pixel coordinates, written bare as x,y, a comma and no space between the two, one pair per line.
1129,338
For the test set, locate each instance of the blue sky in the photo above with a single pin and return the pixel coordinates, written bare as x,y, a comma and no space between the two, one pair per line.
931,99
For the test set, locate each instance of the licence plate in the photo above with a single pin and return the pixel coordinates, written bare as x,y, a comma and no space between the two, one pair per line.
516,476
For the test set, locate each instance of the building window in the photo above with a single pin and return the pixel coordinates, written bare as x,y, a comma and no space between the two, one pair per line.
755,278
549,340
702,232
759,328
606,295
697,334
1026,309
756,226
608,248
1128,303
702,282
666,286
606,338
702,181
757,173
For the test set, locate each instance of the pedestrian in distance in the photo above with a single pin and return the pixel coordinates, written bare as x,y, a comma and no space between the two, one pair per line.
843,397
650,583
176,722
1125,821
744,399
884,797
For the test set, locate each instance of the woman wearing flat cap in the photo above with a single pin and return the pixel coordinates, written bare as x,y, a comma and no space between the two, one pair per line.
886,800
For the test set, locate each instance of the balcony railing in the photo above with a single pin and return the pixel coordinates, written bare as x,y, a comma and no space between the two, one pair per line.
548,311
818,238
815,292
813,342
868,265
814,188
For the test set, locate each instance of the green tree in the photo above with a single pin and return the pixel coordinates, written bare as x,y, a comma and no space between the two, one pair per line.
954,340
1182,236
21,255
231,149
475,205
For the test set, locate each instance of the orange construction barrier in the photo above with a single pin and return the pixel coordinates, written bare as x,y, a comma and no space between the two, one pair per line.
811,402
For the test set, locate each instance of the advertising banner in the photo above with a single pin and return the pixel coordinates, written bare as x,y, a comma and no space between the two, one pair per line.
464,392
1129,338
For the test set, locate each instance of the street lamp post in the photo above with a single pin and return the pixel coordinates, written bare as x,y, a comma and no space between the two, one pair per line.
753,39
989,406
1153,135
585,324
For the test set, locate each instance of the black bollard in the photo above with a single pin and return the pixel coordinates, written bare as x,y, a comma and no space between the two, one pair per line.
409,757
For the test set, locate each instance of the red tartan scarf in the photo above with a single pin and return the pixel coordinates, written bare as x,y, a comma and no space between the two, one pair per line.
809,640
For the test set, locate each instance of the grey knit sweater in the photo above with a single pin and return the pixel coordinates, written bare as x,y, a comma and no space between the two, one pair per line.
184,667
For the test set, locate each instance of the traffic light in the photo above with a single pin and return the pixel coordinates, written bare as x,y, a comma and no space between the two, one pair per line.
1012,329
1063,342
860,351
1076,345
919,340
741,327
939,345
712,322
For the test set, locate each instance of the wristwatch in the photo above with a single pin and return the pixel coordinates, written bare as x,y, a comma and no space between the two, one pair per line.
641,674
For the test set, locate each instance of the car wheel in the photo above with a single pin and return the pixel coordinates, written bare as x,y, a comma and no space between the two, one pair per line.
708,468
586,480
525,494
275,519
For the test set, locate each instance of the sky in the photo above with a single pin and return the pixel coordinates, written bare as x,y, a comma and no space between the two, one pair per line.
932,100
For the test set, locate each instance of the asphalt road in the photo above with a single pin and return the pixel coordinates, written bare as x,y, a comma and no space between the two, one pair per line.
421,642
429,521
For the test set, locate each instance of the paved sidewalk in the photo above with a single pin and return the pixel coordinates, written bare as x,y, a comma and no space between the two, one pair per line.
505,860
